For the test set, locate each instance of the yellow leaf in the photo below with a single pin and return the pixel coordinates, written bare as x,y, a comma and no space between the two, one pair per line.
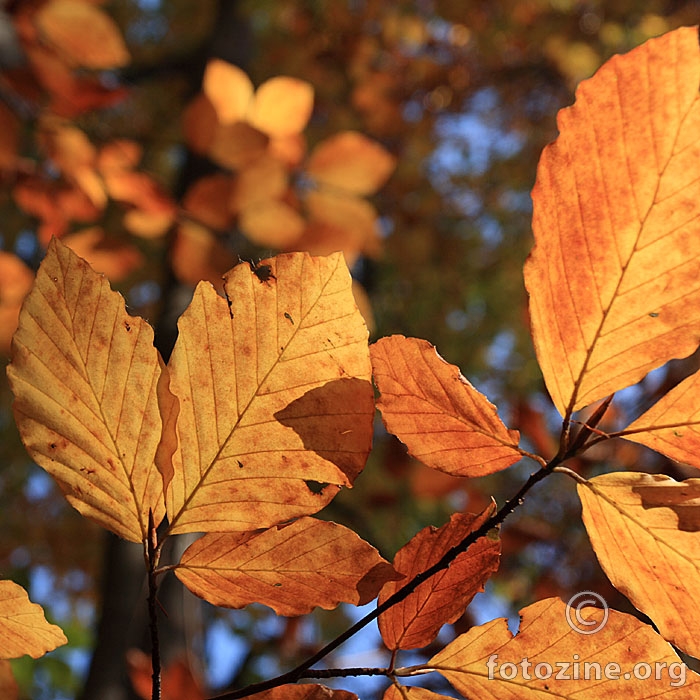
548,659
23,628
272,224
229,89
350,161
282,106
415,621
672,425
303,691
614,277
410,693
274,395
645,530
442,419
291,568
85,377
83,33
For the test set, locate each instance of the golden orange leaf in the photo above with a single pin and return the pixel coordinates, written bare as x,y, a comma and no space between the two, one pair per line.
229,89
489,663
84,34
15,282
274,395
264,180
415,622
23,628
114,258
282,106
291,568
303,691
442,419
85,376
272,224
177,681
672,425
645,530
350,161
353,222
410,693
208,201
237,145
614,277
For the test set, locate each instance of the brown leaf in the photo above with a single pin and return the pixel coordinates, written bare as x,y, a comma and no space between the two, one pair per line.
208,201
83,33
443,420
23,628
113,258
351,162
84,374
645,530
291,568
416,621
304,691
548,659
614,277
177,680
274,384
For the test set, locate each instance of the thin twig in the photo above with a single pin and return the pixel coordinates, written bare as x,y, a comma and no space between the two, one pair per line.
153,551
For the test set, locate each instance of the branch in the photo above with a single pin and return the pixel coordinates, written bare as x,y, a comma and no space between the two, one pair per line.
303,669
152,556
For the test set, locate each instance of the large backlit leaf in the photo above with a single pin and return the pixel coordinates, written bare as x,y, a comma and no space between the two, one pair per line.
83,33
526,666
443,420
672,425
276,405
23,628
291,568
86,376
415,621
645,530
614,277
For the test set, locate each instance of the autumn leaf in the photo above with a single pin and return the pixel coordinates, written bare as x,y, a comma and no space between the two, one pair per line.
177,680
672,425
83,34
15,282
404,692
291,568
443,420
645,530
614,277
85,376
415,621
489,663
113,257
303,691
276,406
8,685
350,162
23,628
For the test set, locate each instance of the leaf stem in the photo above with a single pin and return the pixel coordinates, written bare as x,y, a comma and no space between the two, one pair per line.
152,553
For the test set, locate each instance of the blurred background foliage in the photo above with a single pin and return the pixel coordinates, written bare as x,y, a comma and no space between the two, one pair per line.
464,96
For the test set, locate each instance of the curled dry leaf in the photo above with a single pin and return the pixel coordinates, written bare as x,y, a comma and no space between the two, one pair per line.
83,34
548,659
274,384
614,277
23,628
87,383
415,621
442,419
645,530
291,568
